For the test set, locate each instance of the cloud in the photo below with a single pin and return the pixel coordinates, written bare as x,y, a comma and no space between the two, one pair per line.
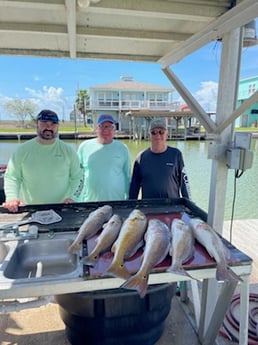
207,95
48,97
48,94
36,78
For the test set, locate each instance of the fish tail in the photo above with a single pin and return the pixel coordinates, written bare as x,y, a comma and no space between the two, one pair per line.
137,282
179,271
117,269
91,260
74,247
225,273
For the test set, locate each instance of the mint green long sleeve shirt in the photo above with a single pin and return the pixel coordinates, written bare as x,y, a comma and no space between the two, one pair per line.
39,174
107,170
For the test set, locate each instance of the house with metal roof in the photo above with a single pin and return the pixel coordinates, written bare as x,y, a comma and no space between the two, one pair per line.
247,87
122,97
133,104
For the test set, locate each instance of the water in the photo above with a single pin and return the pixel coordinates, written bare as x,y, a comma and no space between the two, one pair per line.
199,170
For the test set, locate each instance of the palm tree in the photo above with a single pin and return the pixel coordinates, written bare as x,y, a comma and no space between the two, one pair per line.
82,101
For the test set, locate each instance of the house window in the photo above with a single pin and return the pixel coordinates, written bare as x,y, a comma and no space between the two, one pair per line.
251,88
108,99
158,99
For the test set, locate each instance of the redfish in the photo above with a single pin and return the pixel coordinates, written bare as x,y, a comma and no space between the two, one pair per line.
91,226
105,240
157,243
215,247
182,246
128,242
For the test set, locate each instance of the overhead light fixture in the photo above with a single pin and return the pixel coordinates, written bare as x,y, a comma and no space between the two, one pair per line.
86,3
249,34
83,3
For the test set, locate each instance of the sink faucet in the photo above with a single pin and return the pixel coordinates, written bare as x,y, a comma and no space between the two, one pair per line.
13,233
16,231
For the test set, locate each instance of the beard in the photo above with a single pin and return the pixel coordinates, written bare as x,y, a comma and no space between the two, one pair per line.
47,134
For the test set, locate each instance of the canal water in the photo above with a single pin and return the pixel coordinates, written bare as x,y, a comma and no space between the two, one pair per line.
243,190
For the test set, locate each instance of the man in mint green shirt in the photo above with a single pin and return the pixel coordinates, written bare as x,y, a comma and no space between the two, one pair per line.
44,169
106,164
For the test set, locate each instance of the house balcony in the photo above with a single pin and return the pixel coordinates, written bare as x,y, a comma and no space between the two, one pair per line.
124,105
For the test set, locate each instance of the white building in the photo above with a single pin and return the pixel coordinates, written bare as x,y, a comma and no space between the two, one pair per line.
127,95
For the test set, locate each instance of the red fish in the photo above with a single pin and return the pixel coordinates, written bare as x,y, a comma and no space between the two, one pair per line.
157,243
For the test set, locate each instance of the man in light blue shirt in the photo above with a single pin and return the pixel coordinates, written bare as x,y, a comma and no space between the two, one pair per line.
106,164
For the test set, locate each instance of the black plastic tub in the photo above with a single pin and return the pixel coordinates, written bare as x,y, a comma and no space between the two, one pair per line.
116,316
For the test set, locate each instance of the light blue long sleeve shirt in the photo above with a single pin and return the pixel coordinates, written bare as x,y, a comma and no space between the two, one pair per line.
107,169
39,174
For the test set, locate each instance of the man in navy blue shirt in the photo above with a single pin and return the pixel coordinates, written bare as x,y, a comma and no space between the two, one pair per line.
159,171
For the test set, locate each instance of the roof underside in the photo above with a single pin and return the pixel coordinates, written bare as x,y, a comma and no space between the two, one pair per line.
161,31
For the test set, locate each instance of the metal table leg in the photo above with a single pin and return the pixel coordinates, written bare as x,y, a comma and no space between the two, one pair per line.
222,303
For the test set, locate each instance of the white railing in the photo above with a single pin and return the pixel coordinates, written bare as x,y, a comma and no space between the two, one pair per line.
134,105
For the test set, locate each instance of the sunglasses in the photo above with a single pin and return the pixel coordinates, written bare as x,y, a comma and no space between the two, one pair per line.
160,132
108,127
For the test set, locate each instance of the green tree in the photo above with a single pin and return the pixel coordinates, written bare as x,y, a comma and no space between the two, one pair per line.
82,103
22,109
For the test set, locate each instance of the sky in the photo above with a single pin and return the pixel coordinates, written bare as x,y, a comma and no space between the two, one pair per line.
53,82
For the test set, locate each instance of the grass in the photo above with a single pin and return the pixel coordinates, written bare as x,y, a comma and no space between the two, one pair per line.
11,127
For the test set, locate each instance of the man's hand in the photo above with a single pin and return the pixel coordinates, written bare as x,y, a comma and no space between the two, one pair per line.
68,201
13,205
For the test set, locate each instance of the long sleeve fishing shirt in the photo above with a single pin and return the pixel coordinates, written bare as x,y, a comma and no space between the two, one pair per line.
159,175
106,170
39,174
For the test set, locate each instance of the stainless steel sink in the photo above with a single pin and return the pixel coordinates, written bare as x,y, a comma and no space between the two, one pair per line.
4,249
41,259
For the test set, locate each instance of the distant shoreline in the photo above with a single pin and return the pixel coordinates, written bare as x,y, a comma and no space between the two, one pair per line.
71,135
62,135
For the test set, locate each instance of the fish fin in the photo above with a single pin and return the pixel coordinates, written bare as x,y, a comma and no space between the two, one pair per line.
225,273
74,247
138,283
91,260
179,271
118,270
134,250
113,247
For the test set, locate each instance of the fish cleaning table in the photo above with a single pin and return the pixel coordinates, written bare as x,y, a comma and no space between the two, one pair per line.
201,266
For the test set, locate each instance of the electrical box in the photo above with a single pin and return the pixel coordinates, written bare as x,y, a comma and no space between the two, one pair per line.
243,140
238,158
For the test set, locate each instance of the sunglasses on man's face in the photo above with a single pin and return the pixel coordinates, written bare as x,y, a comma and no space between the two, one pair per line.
108,127
160,132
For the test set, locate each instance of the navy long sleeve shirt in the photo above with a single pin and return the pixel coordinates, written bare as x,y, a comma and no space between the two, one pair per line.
159,175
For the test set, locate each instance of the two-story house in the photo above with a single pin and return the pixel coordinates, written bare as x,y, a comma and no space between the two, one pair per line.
126,95
247,87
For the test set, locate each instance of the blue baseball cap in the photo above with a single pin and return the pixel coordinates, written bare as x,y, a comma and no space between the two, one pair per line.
47,115
105,118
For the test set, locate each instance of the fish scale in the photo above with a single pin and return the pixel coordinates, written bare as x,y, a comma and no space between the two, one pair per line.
182,246
128,242
91,225
105,240
211,241
157,243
